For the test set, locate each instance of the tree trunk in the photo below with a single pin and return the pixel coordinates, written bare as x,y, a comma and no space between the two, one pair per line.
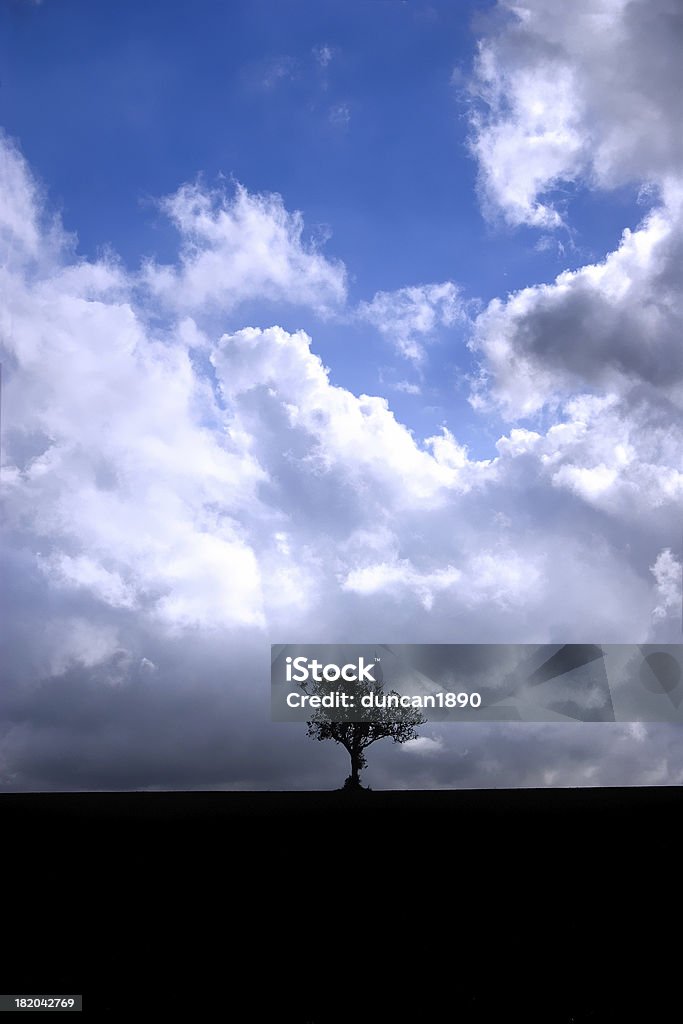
355,769
355,751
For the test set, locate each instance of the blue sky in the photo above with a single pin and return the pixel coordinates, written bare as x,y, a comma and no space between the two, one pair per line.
488,245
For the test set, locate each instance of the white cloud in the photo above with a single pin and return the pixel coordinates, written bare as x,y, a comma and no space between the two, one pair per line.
249,500
410,317
588,90
408,388
277,71
26,234
609,325
589,95
638,731
668,574
358,438
239,249
323,55
340,115
424,746
119,465
83,571
495,578
74,640
386,577
175,498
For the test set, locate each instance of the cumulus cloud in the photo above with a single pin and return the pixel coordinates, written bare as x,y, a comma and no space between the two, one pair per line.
27,233
239,249
588,91
590,363
608,325
410,317
175,497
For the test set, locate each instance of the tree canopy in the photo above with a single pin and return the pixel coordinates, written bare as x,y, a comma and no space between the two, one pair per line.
359,727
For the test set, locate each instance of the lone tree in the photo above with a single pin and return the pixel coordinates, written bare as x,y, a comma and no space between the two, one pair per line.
357,728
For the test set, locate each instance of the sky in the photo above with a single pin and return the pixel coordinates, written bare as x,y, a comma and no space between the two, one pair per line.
331,323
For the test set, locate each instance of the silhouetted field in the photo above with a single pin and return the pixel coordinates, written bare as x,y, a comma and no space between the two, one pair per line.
543,905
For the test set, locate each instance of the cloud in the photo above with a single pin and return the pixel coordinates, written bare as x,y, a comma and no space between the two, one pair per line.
408,388
340,115
609,325
385,577
533,757
27,234
277,71
323,55
177,496
583,92
592,360
238,249
489,578
409,318
668,573
424,746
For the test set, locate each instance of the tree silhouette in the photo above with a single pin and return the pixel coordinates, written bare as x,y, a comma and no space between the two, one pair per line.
356,729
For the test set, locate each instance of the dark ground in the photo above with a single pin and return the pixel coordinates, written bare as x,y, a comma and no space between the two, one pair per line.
550,905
